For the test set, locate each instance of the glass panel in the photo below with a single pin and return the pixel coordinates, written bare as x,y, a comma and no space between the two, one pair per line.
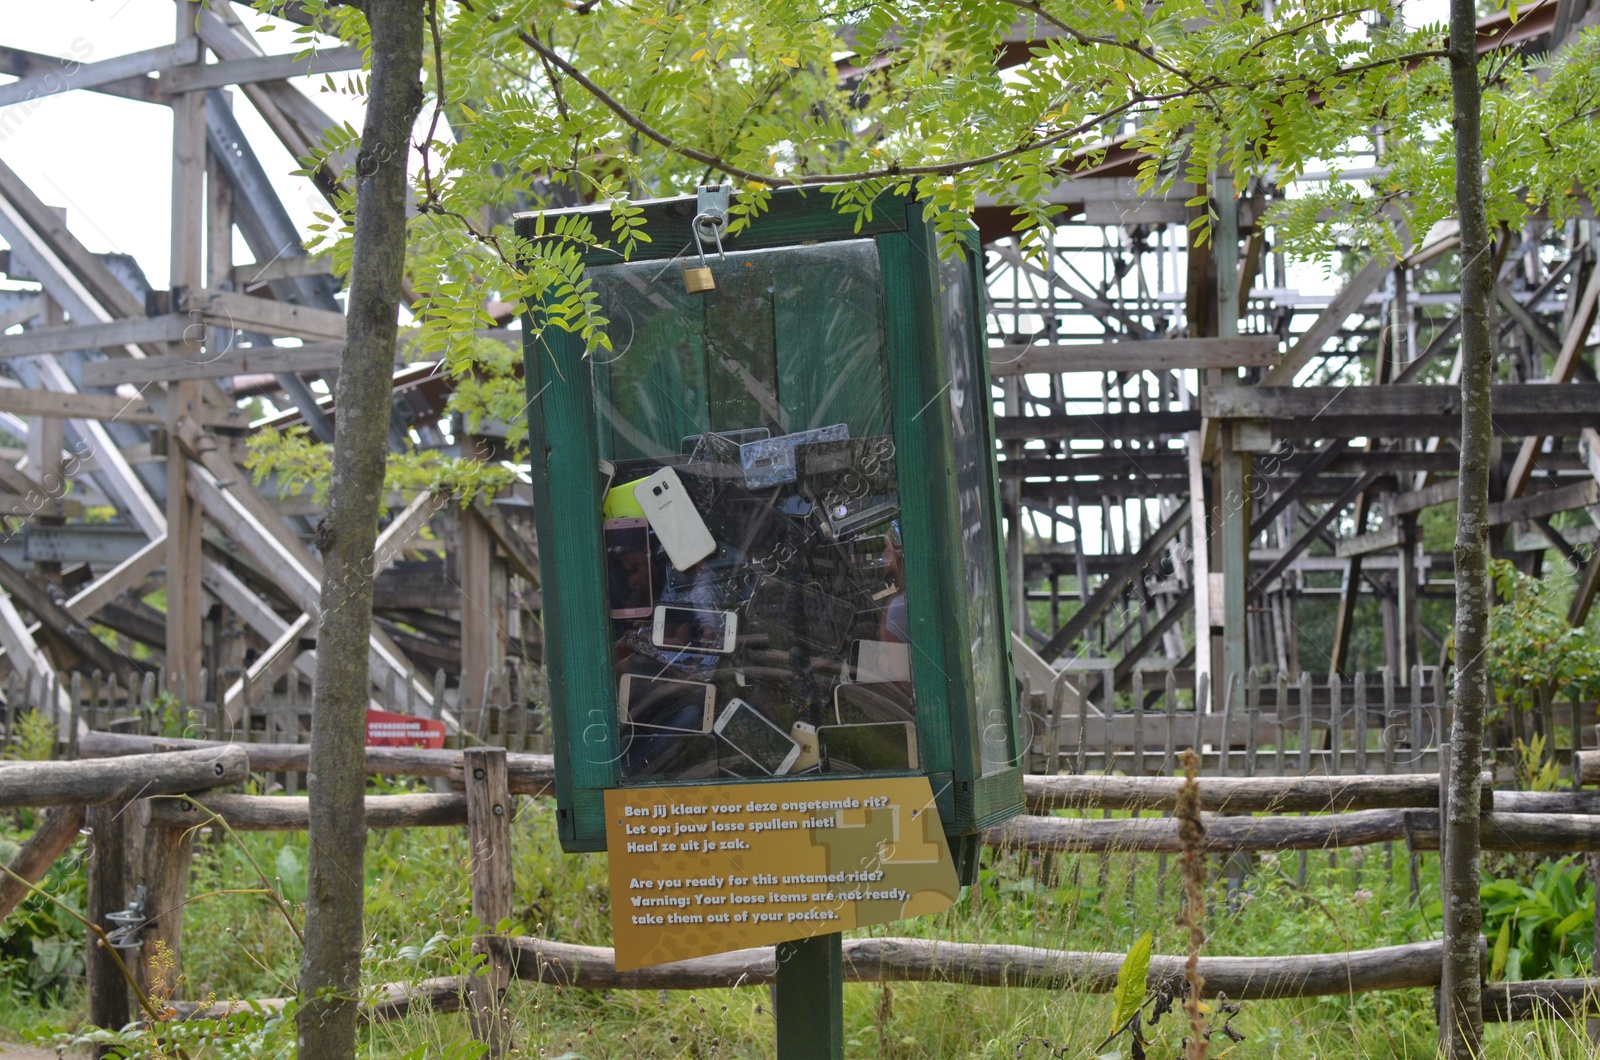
978,548
751,527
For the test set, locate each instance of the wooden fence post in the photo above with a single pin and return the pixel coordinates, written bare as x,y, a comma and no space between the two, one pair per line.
108,991
164,868
489,838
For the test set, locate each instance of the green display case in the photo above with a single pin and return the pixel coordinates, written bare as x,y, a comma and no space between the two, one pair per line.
767,514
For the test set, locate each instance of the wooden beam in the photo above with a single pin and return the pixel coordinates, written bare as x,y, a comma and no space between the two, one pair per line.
271,664
1303,542
1153,355
1389,537
118,580
261,68
20,63
48,610
1536,331
1114,585
243,312
1545,503
402,528
254,274
311,357
108,408
1429,496
75,75
1403,411
93,279
23,313
1572,347
1347,302
171,327
524,559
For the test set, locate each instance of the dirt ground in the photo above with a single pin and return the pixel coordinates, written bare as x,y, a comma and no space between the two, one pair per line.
29,1052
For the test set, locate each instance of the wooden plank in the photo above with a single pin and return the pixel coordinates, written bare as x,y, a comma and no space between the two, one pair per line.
90,75
402,528
1114,585
1153,355
254,274
1572,348
1098,426
1403,411
1536,331
271,664
1224,835
524,558
1415,501
312,357
1347,302
1545,503
23,313
108,408
243,312
119,579
170,327
19,63
261,68
1364,544
92,279
59,621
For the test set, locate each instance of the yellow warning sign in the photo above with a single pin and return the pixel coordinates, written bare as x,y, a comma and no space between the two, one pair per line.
701,870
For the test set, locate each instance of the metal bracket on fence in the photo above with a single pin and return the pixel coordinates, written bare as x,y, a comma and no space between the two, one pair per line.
129,921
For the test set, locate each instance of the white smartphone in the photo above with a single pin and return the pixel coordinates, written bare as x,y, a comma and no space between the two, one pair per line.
691,629
661,704
673,517
805,734
743,728
877,662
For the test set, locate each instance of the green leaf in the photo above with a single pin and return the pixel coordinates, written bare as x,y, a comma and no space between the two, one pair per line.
1129,994
1502,946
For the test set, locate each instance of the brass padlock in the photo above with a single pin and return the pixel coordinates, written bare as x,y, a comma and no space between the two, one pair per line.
698,280
707,224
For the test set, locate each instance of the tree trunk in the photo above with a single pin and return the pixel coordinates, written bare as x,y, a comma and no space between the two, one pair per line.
336,781
1461,1000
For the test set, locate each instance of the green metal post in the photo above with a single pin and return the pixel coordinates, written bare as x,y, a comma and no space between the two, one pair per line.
809,999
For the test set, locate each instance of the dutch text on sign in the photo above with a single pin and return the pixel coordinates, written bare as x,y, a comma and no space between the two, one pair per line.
702,870
385,729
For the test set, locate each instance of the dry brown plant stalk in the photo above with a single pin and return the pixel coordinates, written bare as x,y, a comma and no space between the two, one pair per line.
1192,834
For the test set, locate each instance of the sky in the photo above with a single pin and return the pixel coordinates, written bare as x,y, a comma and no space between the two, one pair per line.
108,160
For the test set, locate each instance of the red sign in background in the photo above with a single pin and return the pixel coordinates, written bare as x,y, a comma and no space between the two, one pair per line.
385,729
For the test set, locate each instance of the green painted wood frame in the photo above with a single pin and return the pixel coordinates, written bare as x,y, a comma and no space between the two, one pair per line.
563,443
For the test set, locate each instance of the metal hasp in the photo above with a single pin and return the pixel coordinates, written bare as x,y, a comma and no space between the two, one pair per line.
808,998
815,430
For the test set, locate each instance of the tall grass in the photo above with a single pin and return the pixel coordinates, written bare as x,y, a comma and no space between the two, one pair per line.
418,922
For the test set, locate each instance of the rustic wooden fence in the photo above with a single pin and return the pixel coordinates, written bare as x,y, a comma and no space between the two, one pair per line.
512,714
128,781
1279,727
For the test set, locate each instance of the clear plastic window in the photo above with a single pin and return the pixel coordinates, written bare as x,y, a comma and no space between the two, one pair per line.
978,546
751,523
